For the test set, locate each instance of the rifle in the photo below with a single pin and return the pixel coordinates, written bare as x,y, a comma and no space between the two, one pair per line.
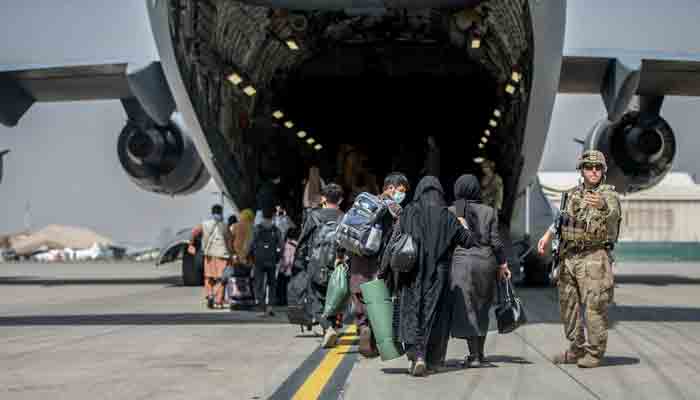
561,220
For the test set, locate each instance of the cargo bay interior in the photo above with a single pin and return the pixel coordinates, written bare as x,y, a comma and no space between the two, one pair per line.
264,82
385,102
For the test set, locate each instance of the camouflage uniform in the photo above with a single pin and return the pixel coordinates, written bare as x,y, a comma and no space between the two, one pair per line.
492,188
586,274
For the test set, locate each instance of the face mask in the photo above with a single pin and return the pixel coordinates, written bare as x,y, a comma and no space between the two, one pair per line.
399,197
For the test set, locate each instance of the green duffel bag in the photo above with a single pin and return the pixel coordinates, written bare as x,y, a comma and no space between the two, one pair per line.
338,291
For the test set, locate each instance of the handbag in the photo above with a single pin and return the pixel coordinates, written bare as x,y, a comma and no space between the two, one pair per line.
510,312
404,253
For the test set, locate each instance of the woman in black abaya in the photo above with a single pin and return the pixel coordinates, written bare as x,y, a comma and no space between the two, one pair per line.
424,322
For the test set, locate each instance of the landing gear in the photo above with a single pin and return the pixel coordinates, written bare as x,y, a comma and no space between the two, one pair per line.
192,269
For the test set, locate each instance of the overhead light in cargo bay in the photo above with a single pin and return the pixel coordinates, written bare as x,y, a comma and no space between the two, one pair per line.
516,76
484,140
479,160
510,89
289,124
497,113
310,140
301,134
493,123
249,90
278,114
487,133
481,145
235,79
318,147
292,45
476,43
475,35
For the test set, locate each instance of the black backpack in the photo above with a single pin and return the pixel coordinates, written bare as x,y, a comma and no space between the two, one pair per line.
266,244
323,250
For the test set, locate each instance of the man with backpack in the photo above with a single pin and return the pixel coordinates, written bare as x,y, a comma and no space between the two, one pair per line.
265,248
317,255
364,268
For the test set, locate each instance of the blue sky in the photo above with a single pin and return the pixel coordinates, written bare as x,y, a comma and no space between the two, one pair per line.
64,160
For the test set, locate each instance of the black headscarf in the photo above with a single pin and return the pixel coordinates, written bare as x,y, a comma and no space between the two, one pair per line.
468,191
429,192
432,226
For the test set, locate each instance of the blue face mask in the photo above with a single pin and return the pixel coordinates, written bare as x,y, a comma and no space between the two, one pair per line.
399,197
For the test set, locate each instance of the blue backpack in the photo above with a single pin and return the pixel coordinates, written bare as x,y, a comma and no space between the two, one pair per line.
359,231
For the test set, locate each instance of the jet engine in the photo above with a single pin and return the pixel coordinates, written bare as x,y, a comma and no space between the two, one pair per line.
639,150
161,159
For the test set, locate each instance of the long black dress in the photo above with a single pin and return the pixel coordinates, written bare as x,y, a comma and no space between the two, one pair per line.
424,320
474,269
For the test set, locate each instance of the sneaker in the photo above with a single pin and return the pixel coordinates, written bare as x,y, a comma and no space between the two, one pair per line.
588,361
330,338
566,357
420,368
471,361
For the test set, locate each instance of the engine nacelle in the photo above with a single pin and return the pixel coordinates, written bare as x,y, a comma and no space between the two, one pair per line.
639,151
161,159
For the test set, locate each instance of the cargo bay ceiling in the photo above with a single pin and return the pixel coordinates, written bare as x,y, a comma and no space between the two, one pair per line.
265,82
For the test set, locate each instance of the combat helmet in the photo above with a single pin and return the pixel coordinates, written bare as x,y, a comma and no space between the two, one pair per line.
595,157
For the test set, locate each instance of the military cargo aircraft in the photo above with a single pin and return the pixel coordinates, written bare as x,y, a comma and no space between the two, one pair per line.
247,91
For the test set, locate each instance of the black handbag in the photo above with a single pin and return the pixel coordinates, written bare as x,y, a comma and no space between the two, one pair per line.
510,312
404,253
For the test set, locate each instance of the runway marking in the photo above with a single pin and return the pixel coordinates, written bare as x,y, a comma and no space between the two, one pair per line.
314,384
324,373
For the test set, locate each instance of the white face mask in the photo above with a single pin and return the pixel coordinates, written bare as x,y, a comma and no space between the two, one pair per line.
399,197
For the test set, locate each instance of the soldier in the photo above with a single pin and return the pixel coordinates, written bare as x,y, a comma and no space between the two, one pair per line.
587,240
491,186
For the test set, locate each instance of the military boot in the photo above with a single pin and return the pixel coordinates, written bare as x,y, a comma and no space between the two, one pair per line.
589,361
567,357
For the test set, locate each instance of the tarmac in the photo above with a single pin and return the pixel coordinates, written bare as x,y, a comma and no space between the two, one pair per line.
116,331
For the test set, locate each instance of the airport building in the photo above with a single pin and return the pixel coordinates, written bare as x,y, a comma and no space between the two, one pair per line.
661,223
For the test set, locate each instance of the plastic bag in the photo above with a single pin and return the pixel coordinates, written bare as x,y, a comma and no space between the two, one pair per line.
338,291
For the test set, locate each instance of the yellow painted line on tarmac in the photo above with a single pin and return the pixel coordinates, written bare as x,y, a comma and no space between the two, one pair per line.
313,386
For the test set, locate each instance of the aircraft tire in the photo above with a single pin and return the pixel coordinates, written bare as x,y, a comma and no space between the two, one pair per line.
192,270
536,273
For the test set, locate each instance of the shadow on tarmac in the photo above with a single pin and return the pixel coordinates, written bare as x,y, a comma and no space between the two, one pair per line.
656,280
211,318
614,361
39,281
545,310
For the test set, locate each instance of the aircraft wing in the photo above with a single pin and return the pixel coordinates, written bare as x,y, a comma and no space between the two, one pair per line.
619,75
22,86
592,70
